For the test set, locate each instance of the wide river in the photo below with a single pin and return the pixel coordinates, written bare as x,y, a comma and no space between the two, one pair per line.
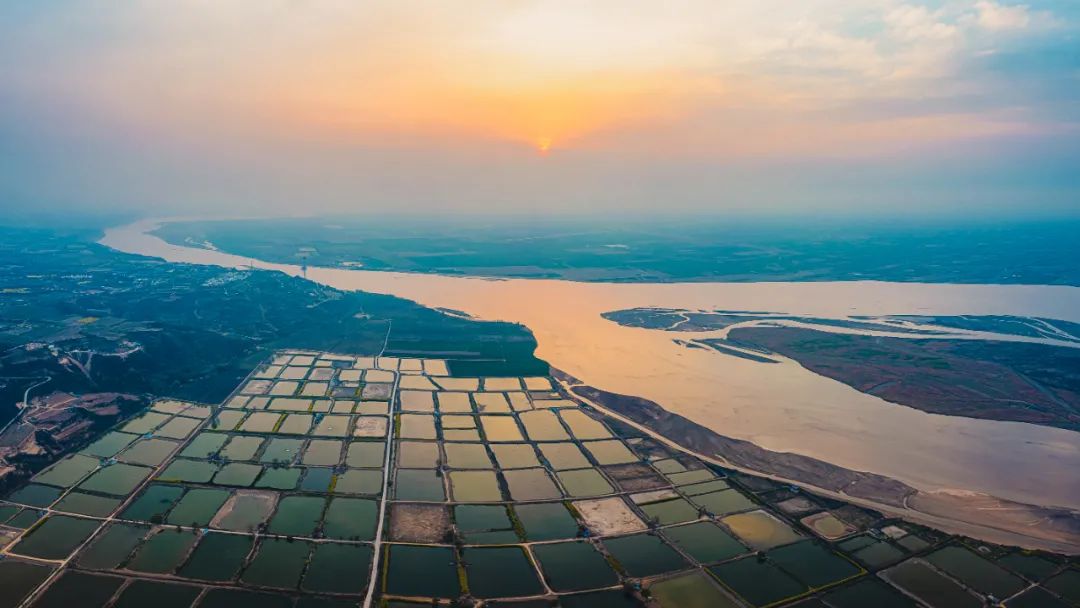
781,407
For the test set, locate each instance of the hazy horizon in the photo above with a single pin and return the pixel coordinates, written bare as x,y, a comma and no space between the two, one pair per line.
874,107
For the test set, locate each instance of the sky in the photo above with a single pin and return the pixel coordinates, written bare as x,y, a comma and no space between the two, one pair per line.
876,107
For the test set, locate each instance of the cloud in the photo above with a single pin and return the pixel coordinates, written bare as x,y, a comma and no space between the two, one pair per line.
210,98
998,17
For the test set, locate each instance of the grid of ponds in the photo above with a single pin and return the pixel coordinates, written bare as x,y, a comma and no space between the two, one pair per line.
501,491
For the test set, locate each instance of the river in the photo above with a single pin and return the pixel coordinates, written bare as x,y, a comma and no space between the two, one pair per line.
781,407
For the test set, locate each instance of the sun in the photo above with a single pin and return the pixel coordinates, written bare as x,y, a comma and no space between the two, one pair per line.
543,145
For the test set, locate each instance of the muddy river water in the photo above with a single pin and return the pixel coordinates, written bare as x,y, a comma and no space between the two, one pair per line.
781,407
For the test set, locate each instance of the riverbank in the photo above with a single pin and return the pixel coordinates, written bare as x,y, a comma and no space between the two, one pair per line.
781,408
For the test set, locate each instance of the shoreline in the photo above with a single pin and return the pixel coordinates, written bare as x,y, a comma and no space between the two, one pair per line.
935,509
434,289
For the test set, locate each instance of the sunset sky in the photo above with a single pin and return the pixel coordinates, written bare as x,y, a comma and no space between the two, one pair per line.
775,106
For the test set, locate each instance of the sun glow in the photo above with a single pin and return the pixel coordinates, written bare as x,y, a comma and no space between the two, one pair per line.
543,145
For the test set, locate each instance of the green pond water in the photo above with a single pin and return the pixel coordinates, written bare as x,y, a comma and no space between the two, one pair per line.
923,582
237,474
546,521
162,552
418,484
148,452
338,568
878,554
476,518
87,504
178,428
500,572
584,482
242,448
913,543
217,557
277,563
705,488
669,465
317,480
1032,567
236,598
359,481
598,599
868,592
56,537
856,542
691,477
422,571
144,423
67,471
35,495
279,478
297,515
116,479
693,590
644,555
705,541
485,524
79,589
142,593
759,583
494,537
1066,584
282,450
1036,597
18,579
365,454
112,546
109,445
813,564
350,518
25,518
204,445
197,507
574,566
671,511
194,471
308,601
976,572
156,499
724,502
